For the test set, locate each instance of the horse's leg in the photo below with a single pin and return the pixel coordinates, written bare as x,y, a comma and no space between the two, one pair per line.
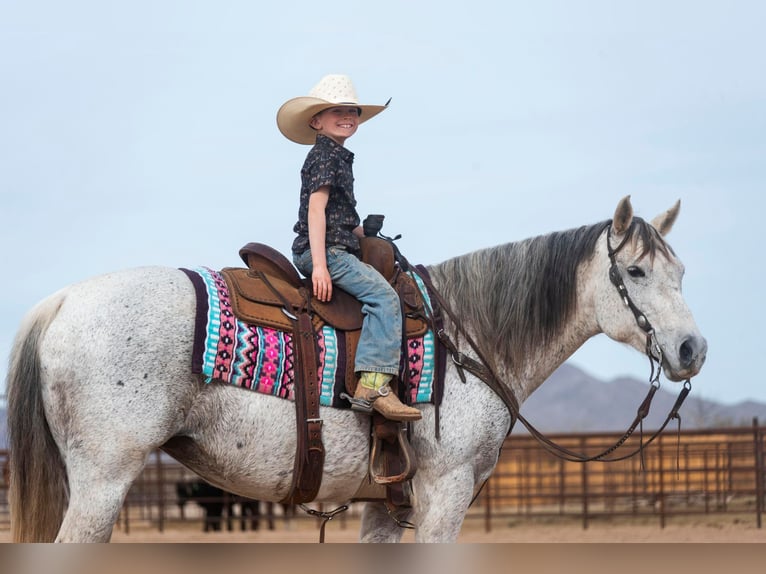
207,526
97,493
255,514
440,503
229,507
378,526
244,512
288,513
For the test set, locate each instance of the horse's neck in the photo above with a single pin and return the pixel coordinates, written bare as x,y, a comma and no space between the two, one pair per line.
545,359
542,360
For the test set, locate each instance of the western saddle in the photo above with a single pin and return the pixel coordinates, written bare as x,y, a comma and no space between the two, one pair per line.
270,292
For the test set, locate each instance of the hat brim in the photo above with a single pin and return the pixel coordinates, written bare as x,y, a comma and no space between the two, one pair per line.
294,117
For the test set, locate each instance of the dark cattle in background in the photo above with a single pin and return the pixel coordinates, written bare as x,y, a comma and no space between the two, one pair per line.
217,502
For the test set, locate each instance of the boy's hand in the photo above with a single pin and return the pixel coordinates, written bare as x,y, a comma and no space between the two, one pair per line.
320,278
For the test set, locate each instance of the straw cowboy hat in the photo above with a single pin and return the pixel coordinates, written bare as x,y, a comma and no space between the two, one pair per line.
334,90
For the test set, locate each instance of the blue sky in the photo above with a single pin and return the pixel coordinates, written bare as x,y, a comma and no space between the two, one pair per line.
141,132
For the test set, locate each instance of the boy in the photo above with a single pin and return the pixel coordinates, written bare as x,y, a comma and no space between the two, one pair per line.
327,244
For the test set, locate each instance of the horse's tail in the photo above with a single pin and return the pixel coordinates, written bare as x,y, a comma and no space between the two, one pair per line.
38,487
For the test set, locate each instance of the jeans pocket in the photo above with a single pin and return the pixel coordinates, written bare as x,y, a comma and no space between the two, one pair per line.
334,256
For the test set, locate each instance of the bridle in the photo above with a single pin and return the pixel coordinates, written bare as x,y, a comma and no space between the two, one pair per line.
483,370
653,349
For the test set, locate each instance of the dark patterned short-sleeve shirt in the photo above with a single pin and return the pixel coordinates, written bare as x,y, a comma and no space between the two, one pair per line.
329,163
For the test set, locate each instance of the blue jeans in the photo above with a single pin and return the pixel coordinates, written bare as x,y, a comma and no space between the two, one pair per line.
381,338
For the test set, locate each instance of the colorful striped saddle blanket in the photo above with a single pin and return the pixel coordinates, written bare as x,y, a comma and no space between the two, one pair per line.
263,359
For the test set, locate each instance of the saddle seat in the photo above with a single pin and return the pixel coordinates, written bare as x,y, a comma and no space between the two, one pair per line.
271,292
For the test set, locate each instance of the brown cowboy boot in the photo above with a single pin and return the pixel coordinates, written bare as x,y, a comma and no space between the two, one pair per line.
374,392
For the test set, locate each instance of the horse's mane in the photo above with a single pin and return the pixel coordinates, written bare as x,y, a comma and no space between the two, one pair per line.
517,297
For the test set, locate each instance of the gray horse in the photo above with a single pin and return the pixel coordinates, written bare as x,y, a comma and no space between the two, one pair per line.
100,377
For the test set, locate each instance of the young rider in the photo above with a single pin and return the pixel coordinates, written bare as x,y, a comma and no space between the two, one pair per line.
328,230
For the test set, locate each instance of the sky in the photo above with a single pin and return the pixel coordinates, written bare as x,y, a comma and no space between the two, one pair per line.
143,133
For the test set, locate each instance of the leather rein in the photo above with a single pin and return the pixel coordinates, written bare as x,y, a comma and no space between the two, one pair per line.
482,369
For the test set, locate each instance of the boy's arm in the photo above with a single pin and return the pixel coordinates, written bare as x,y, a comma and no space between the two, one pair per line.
320,276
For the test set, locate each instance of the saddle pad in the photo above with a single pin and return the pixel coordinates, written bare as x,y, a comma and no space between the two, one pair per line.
262,359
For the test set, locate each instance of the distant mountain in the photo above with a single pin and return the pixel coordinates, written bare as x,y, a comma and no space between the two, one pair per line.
573,401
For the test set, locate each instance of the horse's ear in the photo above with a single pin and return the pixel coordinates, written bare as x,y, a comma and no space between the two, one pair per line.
664,222
623,216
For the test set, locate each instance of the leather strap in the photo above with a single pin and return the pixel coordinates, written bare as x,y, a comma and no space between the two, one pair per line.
309,452
481,368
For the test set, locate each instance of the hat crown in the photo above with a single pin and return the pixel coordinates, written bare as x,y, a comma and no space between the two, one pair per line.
336,89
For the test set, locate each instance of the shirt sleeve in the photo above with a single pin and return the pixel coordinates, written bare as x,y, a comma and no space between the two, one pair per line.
323,171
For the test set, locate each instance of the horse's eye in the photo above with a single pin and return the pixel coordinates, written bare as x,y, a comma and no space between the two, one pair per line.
634,271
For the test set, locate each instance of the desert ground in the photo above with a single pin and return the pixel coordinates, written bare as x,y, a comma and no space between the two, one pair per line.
722,528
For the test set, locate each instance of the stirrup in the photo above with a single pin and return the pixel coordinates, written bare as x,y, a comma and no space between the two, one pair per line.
365,405
377,451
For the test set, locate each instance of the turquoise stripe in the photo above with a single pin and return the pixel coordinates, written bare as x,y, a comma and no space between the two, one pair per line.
238,363
282,357
258,358
425,388
213,323
330,366
257,344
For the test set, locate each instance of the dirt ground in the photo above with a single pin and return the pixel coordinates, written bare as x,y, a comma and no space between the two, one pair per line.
716,528
722,529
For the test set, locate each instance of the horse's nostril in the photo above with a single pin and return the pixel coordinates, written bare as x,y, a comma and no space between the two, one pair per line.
687,353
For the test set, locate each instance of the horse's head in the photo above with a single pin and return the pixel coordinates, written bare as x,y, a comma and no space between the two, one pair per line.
641,303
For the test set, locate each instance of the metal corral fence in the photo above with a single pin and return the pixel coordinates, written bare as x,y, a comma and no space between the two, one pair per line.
692,473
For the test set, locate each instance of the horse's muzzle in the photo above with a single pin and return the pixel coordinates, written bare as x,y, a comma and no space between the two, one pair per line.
691,356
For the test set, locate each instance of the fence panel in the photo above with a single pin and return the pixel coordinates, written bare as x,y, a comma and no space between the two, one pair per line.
696,472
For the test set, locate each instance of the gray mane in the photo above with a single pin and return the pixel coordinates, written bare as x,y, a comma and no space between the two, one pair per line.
517,297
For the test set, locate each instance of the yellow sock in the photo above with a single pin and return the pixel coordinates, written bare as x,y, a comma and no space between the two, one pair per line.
374,381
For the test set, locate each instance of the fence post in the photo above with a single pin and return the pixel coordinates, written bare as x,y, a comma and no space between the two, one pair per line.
759,471
584,487
661,470
125,508
562,488
488,507
161,488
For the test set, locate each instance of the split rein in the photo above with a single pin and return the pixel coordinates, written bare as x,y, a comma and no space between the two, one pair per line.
483,371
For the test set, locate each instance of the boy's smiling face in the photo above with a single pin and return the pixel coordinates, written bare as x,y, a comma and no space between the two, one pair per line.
338,123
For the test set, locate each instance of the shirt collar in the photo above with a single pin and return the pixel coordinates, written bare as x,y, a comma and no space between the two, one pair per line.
328,142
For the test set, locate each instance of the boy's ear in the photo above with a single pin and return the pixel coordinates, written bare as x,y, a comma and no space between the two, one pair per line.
314,123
